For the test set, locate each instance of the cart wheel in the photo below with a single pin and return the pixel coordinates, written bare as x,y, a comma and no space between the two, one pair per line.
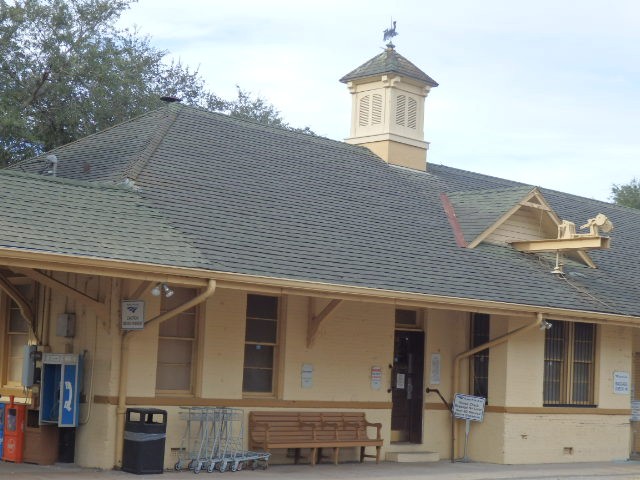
240,466
197,468
254,464
223,467
211,467
234,467
190,465
178,466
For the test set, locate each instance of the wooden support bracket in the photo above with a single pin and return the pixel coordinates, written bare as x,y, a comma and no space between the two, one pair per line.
315,320
23,304
101,309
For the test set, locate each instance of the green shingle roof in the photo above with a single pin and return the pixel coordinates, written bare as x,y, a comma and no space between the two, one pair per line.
477,210
245,198
389,61
88,219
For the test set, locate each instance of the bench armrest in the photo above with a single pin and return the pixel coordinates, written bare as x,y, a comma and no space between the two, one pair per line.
378,427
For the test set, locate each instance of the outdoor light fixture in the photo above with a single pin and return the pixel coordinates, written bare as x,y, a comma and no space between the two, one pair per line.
168,292
160,288
545,325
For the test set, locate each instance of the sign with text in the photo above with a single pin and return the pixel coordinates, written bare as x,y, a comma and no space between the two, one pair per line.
306,375
434,376
621,383
376,377
468,407
132,315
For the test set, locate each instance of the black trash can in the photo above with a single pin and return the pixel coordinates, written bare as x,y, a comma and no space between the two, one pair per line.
145,432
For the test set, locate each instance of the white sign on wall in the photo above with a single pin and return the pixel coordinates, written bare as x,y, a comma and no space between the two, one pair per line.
132,315
468,407
621,383
376,377
635,410
306,375
434,376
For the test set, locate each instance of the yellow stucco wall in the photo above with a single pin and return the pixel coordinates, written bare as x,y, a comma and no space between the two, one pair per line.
355,337
565,438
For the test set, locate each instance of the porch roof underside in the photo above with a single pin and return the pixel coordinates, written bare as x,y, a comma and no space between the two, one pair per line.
248,199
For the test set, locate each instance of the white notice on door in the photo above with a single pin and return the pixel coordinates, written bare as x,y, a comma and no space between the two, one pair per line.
400,381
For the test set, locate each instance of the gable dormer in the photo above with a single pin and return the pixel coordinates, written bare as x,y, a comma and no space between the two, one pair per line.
521,218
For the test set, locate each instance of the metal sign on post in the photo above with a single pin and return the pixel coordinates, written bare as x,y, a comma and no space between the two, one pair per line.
468,408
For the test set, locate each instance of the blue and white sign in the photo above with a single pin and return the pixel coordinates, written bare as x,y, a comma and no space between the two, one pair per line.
70,404
132,315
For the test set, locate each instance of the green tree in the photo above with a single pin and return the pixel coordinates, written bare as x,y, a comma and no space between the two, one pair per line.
66,71
257,109
627,194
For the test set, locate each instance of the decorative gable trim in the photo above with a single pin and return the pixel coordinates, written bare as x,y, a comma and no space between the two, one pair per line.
453,220
484,205
533,199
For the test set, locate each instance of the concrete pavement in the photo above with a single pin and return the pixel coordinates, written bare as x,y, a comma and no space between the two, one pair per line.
627,470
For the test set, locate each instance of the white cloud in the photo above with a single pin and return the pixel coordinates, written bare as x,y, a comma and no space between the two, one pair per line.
545,92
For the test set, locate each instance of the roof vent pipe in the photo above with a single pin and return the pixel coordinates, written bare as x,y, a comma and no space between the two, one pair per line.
53,160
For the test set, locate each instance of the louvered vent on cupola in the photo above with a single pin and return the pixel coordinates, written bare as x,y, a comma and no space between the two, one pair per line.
406,111
370,110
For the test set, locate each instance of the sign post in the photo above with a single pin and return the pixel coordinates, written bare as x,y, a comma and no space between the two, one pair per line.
468,408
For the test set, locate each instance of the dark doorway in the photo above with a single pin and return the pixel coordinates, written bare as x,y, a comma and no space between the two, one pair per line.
407,381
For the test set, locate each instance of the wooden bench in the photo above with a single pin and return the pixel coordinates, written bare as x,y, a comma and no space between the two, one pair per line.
313,430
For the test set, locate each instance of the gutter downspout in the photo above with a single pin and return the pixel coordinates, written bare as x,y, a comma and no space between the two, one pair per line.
124,362
456,368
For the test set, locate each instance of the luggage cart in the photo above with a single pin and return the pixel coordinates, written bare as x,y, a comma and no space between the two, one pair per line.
214,439
192,440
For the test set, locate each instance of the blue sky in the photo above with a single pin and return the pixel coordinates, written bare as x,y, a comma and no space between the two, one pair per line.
546,93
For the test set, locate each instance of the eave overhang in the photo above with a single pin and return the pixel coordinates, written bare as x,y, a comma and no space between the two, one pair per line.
283,286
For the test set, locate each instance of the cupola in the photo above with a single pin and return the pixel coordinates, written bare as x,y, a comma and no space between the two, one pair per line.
388,94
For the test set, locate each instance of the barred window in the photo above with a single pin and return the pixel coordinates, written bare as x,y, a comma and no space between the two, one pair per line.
569,359
480,361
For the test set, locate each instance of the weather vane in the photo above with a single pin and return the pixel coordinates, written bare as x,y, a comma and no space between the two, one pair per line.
390,32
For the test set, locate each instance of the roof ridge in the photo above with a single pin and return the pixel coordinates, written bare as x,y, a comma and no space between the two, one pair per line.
65,146
138,162
65,181
517,188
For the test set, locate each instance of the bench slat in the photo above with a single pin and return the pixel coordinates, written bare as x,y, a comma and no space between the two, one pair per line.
313,430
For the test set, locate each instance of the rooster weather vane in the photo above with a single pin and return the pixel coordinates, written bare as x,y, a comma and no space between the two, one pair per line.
389,33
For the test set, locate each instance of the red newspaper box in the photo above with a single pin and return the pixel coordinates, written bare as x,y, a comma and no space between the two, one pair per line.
13,432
